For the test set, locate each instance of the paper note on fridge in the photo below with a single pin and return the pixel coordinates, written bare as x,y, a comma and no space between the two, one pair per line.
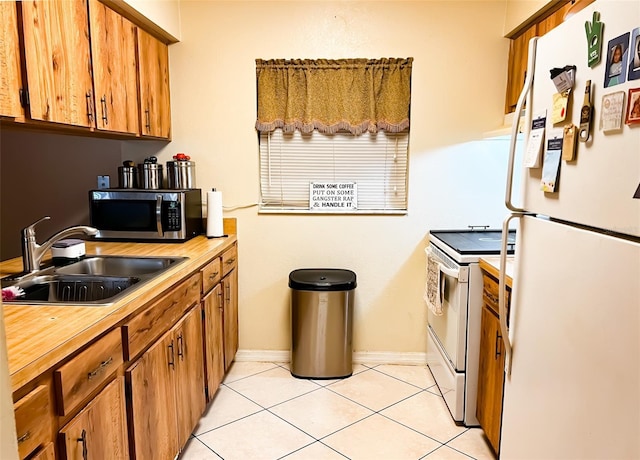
551,165
536,140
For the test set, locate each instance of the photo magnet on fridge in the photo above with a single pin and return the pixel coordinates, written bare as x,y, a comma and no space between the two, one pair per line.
633,107
615,71
634,55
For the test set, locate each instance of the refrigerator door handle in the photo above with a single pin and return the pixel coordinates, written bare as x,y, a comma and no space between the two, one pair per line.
502,291
525,94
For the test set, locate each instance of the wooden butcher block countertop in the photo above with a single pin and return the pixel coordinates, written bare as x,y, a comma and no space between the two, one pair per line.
38,336
492,265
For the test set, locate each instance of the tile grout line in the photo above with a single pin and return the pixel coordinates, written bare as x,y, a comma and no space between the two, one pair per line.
327,386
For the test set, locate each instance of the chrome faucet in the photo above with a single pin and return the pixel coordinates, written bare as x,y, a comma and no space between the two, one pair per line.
32,252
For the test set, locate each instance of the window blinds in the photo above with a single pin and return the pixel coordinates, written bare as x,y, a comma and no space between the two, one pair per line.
376,162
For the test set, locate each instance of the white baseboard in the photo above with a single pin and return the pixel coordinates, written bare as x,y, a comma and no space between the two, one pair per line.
359,357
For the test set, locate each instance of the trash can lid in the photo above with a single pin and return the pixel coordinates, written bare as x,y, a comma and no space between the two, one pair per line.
322,279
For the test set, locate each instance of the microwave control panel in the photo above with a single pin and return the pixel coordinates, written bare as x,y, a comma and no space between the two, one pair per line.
172,218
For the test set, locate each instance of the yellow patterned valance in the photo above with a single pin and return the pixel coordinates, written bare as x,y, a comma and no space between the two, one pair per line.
357,95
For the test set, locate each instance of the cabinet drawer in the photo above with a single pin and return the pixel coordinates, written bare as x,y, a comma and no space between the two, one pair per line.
159,317
33,420
46,453
211,274
490,293
229,260
491,296
76,379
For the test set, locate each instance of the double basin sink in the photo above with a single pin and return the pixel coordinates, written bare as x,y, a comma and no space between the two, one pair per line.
94,280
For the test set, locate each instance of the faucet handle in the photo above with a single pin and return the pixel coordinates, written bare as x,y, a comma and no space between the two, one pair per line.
29,230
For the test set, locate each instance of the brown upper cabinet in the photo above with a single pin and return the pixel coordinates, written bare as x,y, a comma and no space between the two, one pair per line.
58,61
10,78
519,48
113,50
155,110
81,66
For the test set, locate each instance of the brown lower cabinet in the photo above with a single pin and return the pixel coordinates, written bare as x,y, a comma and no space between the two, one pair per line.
100,429
167,390
138,390
491,364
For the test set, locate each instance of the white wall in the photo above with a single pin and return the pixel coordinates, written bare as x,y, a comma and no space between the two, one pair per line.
163,13
459,77
519,11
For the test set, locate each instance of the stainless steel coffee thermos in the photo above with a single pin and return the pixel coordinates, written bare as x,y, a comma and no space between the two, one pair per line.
181,174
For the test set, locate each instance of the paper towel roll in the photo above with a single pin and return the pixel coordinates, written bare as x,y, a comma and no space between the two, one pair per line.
215,227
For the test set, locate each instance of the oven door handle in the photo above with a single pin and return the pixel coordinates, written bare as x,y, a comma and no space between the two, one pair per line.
159,214
452,272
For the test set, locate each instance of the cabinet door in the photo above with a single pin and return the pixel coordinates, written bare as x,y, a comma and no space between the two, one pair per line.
230,317
213,338
490,377
113,40
100,429
155,110
190,397
518,56
153,405
34,420
56,37
10,77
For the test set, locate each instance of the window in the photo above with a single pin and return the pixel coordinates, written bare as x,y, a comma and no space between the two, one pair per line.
333,123
376,162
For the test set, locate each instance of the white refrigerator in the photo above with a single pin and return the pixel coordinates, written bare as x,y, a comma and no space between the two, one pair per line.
572,383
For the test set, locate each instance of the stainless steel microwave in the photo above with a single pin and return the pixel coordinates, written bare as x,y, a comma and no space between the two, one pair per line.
146,215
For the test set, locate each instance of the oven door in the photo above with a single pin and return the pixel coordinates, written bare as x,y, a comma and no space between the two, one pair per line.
450,329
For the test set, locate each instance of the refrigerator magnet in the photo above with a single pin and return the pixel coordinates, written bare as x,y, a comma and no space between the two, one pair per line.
594,39
616,69
560,104
551,164
633,107
569,142
634,55
612,111
535,141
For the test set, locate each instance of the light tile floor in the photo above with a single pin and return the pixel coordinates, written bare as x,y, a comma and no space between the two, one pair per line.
380,412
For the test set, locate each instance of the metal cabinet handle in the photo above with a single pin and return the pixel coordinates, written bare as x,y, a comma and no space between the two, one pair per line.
213,275
497,349
83,440
491,297
230,261
180,347
148,124
24,437
100,367
105,116
172,358
88,96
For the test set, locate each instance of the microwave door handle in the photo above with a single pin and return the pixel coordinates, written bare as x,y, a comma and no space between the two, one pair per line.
159,214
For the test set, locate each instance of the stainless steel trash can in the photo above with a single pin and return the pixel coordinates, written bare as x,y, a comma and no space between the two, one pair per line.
322,322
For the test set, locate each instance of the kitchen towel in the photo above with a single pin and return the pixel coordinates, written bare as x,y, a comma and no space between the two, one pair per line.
434,288
215,227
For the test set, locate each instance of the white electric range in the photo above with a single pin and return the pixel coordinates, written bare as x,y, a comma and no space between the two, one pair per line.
453,339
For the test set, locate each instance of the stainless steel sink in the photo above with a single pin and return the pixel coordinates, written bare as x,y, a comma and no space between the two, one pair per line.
94,281
117,266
